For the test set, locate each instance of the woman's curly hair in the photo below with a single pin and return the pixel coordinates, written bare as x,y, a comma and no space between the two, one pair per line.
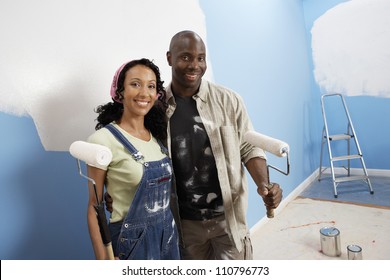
155,119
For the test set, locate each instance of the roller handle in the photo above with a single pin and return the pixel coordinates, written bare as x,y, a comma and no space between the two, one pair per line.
104,231
110,252
270,210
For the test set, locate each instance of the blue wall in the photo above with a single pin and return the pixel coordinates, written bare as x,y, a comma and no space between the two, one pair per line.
264,57
44,199
261,49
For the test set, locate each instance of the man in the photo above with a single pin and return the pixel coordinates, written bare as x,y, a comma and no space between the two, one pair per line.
205,138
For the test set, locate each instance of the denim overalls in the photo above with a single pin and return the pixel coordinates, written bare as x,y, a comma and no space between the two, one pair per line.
148,230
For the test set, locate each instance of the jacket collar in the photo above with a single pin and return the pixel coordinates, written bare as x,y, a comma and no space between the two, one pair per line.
202,93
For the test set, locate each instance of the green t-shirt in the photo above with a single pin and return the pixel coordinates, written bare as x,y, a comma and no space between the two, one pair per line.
124,173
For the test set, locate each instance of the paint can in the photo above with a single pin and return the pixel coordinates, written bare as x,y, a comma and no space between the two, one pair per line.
354,252
330,241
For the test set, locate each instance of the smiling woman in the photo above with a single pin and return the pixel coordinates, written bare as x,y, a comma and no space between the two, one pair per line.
139,176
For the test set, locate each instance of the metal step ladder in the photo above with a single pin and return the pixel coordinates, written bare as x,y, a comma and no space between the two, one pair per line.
349,135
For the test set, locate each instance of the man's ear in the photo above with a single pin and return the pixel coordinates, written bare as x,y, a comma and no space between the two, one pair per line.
169,57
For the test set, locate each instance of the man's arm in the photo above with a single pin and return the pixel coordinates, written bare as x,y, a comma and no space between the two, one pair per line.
108,199
257,168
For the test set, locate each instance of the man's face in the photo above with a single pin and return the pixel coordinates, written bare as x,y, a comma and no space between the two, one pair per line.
188,61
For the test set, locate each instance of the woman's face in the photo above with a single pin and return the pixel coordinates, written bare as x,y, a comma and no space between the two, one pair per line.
140,91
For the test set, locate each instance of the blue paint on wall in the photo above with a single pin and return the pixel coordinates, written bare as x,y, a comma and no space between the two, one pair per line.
44,199
259,49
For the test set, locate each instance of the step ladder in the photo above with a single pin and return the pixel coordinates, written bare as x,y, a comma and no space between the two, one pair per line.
347,136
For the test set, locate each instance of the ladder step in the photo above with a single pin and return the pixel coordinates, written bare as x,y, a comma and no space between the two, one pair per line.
346,157
340,137
350,178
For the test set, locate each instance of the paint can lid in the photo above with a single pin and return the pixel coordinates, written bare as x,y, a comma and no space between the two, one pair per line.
329,231
354,248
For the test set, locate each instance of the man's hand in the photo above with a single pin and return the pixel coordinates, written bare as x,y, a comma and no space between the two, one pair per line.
272,195
109,201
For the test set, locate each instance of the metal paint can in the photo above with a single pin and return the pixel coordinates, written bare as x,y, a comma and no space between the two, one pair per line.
354,252
330,241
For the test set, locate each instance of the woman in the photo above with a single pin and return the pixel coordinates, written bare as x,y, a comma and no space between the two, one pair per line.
139,177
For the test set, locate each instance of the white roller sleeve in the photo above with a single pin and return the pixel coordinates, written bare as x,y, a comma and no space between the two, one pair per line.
269,144
93,154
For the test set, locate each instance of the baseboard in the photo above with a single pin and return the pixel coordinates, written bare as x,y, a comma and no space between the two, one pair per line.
301,187
359,171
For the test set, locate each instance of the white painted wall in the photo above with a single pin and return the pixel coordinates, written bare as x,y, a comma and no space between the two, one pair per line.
351,48
58,57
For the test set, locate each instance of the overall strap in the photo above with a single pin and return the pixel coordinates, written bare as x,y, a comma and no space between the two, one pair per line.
122,139
164,150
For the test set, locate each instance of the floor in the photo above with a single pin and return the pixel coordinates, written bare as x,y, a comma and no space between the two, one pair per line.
362,218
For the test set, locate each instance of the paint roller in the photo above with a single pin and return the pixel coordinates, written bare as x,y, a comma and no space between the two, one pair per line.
274,146
93,154
98,156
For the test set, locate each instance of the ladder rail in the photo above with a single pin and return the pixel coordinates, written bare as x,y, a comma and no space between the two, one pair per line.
328,144
349,147
350,124
326,126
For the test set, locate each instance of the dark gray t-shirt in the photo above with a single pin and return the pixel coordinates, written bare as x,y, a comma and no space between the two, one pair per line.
198,188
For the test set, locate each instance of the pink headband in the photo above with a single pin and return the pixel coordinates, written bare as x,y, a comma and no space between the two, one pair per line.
114,84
